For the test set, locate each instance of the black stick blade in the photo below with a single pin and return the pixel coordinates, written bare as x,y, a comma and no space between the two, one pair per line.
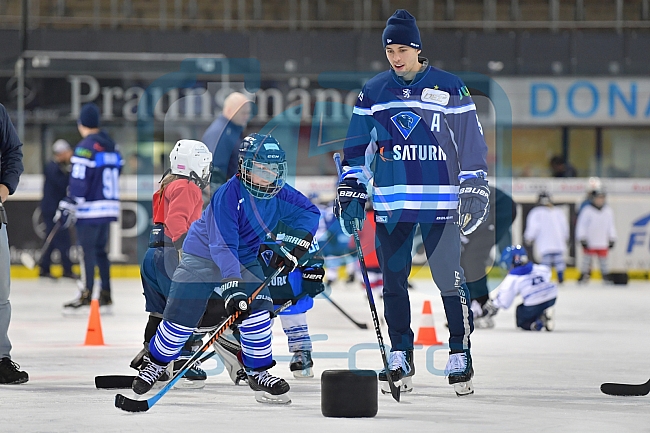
362,325
129,405
625,389
117,381
395,392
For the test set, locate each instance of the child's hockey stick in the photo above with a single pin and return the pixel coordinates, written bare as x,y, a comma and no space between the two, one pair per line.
395,392
130,405
625,389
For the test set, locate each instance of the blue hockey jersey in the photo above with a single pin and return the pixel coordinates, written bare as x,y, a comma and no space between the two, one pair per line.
94,180
235,223
416,142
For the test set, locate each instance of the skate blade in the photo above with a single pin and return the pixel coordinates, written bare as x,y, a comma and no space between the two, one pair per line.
189,384
307,373
464,388
266,398
404,385
106,310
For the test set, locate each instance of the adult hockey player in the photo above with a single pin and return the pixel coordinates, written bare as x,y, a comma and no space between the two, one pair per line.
533,283
176,205
220,255
547,228
306,278
94,202
417,126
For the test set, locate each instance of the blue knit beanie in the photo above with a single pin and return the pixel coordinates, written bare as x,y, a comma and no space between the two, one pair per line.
401,29
89,116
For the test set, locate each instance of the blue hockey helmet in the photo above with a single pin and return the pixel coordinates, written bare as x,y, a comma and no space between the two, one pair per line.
262,165
513,256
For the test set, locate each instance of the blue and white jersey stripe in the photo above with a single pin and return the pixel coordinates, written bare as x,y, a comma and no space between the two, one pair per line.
376,108
98,209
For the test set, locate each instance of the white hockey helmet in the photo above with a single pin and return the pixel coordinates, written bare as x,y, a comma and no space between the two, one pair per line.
191,159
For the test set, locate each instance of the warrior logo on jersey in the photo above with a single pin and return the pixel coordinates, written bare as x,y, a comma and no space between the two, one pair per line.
266,256
406,93
405,122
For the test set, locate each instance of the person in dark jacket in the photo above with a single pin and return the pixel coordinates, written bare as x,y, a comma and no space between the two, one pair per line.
11,167
55,188
223,138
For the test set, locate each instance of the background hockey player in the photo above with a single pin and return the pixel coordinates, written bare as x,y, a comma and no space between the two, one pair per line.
220,254
547,227
533,283
307,278
475,257
176,205
596,232
418,126
94,202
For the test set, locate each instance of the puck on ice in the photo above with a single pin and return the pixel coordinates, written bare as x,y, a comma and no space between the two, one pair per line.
348,393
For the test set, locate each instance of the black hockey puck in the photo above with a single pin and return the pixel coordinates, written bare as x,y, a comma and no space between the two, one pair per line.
348,393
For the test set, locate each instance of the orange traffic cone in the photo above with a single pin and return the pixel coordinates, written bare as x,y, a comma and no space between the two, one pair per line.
427,332
94,335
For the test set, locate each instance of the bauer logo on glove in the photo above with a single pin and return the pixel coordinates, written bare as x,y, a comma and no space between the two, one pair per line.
474,196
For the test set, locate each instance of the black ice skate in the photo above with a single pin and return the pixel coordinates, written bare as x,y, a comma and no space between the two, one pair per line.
228,349
268,388
151,371
402,370
195,377
460,372
10,373
301,364
105,302
78,306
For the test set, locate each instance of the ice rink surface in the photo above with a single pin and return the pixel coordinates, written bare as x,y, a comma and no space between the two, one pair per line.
524,382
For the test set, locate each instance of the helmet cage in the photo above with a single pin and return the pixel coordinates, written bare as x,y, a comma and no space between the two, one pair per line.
275,173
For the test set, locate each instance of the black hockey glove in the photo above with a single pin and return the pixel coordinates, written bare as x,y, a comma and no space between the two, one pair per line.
350,204
312,280
474,204
66,212
489,309
611,245
235,297
289,252
584,245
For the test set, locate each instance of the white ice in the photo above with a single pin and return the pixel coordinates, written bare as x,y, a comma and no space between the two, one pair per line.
525,381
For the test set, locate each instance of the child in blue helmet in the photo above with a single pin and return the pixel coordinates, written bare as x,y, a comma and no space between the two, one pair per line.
220,256
533,283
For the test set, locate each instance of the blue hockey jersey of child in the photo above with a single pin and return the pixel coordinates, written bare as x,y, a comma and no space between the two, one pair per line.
235,223
417,141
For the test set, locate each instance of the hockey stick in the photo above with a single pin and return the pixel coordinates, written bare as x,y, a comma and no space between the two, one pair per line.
124,381
30,262
121,381
625,389
130,405
359,325
395,391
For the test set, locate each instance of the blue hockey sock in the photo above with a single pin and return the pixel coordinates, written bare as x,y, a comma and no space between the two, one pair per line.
255,333
295,327
169,340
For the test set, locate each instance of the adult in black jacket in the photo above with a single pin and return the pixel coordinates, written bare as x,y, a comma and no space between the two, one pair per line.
55,188
11,167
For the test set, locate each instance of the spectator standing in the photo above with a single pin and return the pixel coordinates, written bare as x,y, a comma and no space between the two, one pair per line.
11,167
224,136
